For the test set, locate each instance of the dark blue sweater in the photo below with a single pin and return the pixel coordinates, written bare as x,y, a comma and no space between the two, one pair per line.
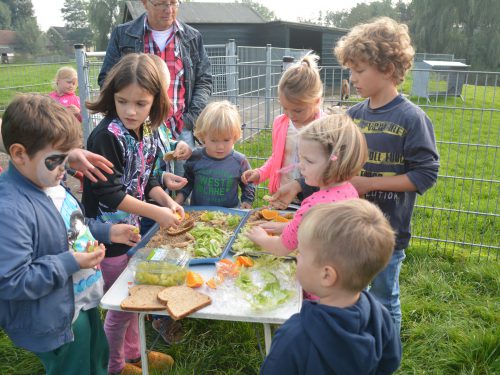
357,340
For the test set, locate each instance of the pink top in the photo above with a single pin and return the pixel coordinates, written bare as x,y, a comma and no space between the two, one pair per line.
330,195
67,100
270,168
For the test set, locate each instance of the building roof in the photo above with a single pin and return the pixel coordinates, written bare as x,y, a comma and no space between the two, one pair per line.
7,38
197,12
309,26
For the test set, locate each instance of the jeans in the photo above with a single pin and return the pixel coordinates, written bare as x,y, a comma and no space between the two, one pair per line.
385,287
188,137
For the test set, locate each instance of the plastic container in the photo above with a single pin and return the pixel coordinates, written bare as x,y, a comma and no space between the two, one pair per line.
159,266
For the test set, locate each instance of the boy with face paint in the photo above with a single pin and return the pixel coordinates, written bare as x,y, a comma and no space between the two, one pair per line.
48,294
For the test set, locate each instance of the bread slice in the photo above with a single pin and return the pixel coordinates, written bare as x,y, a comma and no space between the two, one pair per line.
182,301
143,298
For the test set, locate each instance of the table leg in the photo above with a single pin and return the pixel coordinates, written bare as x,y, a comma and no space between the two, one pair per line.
267,337
142,337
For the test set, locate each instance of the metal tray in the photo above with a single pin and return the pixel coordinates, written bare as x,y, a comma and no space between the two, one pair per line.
243,213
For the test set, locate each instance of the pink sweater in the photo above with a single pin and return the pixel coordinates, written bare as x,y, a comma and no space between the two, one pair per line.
333,194
270,168
67,100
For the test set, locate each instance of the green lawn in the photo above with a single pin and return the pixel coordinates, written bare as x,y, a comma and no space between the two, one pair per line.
451,325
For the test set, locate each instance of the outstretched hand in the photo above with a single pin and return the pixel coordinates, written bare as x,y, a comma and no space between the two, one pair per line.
90,164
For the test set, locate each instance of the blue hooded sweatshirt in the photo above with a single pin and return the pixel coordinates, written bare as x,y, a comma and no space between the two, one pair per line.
360,339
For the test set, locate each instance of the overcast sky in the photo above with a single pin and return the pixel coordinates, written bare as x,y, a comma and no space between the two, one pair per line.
48,13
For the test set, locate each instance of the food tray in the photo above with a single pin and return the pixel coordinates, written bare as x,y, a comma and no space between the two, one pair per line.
243,213
242,225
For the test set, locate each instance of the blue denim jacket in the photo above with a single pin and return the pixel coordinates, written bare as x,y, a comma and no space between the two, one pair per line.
129,38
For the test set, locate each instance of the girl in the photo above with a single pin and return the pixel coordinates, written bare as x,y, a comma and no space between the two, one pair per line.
214,171
300,90
331,151
65,84
134,102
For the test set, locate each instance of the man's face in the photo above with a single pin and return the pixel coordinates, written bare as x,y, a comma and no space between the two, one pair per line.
161,13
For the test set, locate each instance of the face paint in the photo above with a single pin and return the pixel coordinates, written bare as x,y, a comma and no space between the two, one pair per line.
50,170
53,161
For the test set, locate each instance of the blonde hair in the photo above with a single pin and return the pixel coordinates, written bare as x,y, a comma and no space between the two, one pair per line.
220,119
341,142
353,236
383,43
135,68
65,72
36,121
301,82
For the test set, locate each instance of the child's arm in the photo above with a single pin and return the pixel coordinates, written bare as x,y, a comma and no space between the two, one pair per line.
114,233
247,190
188,188
273,244
162,215
163,199
400,183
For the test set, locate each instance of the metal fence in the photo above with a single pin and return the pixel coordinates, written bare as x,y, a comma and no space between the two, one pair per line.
460,215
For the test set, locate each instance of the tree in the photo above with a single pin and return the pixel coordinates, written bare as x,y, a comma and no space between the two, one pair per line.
5,16
103,16
360,13
266,13
21,10
29,36
76,15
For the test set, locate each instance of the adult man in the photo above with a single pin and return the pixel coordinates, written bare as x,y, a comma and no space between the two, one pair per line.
159,32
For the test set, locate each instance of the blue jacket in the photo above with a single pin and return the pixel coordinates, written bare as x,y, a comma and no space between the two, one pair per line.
129,38
325,340
36,287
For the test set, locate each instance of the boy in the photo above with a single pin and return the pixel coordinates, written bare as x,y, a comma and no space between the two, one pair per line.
342,246
403,159
37,298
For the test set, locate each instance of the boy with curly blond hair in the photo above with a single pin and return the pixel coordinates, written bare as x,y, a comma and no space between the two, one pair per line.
403,159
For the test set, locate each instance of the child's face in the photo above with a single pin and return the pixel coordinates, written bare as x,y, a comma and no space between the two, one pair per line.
133,104
312,162
218,147
368,80
66,85
300,114
308,271
46,168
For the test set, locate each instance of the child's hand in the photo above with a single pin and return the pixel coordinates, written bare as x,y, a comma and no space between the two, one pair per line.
174,182
90,259
167,218
177,209
182,151
90,164
74,109
273,227
285,195
246,205
250,176
125,233
257,235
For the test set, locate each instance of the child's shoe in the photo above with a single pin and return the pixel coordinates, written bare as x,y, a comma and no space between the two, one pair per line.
129,369
157,361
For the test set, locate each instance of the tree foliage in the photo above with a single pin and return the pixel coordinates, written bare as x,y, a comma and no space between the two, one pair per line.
5,16
266,13
103,16
29,36
21,10
76,15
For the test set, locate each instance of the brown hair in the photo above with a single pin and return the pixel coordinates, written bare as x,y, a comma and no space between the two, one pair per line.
301,82
341,140
353,236
383,43
220,119
36,121
140,69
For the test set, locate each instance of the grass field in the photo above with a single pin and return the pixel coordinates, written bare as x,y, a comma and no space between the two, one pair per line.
451,325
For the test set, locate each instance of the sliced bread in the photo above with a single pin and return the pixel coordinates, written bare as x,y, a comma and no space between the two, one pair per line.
182,301
143,298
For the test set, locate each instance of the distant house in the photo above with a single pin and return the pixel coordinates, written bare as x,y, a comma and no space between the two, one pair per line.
219,22
62,38
8,41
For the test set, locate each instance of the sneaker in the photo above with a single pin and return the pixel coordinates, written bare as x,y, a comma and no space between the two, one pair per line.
129,369
157,361
170,330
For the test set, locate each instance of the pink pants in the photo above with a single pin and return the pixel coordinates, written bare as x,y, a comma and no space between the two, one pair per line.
122,328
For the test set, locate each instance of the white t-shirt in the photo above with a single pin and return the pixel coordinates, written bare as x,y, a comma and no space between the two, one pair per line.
160,37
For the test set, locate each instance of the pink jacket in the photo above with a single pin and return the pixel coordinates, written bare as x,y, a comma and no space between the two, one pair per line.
67,100
270,168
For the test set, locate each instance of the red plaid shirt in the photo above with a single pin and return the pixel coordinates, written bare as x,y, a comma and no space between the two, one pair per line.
176,91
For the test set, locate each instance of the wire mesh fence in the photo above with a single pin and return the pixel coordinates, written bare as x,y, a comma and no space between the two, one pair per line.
460,215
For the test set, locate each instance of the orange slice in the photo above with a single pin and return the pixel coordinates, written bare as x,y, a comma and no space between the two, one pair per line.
194,280
281,219
269,214
244,261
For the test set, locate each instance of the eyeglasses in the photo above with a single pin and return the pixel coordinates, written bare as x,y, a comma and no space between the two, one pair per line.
53,161
165,5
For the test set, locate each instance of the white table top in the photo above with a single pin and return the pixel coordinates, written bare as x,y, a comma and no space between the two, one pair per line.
226,305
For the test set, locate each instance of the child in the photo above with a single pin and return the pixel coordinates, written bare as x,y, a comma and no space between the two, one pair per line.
403,157
342,246
331,150
37,304
300,90
214,171
65,84
134,102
